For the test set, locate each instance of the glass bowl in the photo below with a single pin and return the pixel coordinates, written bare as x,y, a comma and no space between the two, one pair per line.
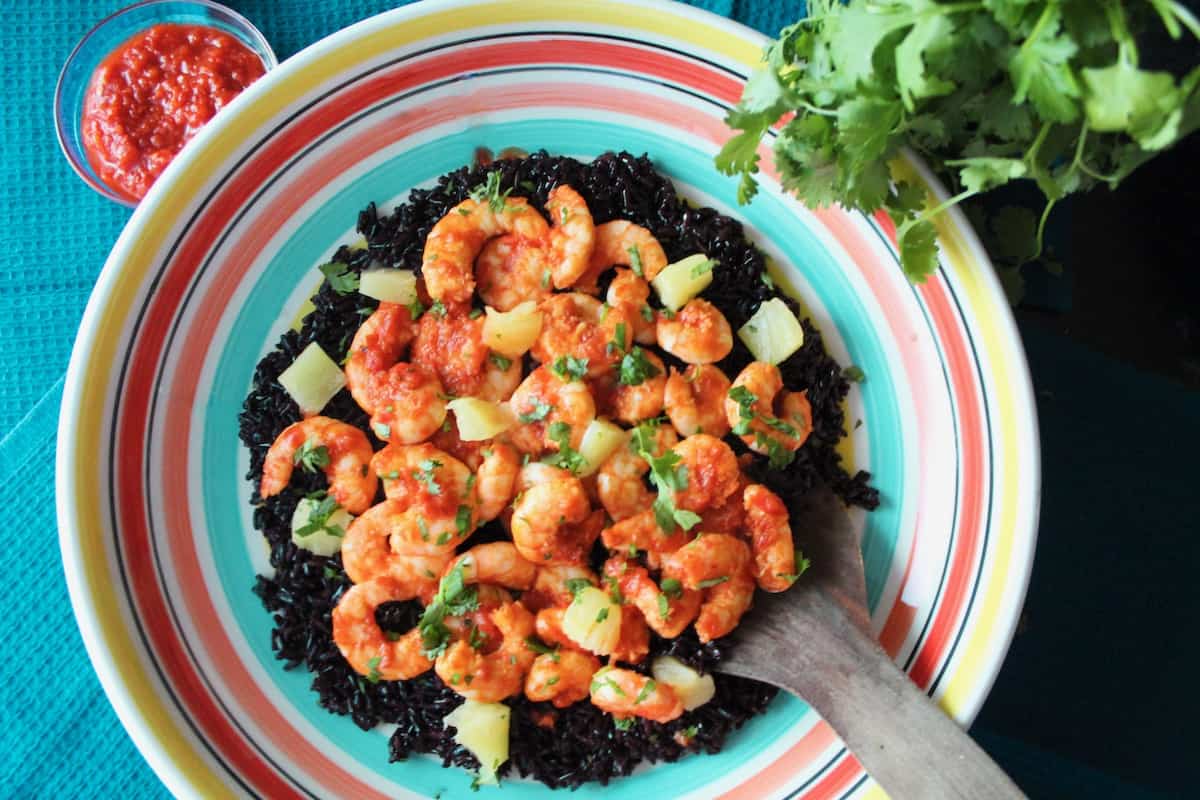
111,33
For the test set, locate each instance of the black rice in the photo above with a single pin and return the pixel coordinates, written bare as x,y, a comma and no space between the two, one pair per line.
583,744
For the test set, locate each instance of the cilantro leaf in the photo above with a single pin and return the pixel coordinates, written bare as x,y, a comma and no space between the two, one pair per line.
635,369
341,278
570,368
567,457
311,456
538,413
454,598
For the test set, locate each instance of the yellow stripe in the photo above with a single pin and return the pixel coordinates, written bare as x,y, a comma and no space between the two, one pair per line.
96,371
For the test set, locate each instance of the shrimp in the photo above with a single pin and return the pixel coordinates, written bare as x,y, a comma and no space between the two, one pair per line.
633,294
499,382
470,453
543,400
726,517
563,678
572,236
549,628
455,240
625,693
450,344
536,472
668,613
719,564
363,643
697,334
422,475
341,451
695,400
511,270
641,532
634,641
622,242
495,563
550,586
770,539
553,522
633,402
407,404
750,407
367,554
712,472
620,482
489,677
496,479
574,324
378,344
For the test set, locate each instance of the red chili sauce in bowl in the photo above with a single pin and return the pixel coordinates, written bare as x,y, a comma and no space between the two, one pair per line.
151,95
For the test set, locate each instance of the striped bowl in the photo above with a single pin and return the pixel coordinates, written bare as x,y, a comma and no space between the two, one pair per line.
217,261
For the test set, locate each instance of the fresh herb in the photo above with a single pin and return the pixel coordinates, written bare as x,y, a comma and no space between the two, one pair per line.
602,614
712,582
382,430
501,362
576,585
647,313
635,261
567,457
311,456
552,681
546,278
854,373
318,518
988,92
570,368
462,519
617,345
778,456
538,413
423,527
424,474
767,280
690,732
454,598
373,674
623,723
703,267
671,587
444,537
745,400
646,691
779,425
668,477
564,214
536,646
635,368
489,192
341,278
438,309
330,573
475,313
664,606
416,308
476,639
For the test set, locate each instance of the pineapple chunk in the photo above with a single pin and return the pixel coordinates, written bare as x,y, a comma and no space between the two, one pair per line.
601,439
773,333
512,333
694,689
312,379
483,730
324,541
389,285
593,621
682,280
480,419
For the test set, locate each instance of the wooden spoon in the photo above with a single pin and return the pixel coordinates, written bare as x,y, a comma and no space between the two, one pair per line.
815,641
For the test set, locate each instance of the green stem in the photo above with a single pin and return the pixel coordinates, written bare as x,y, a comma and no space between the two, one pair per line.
939,208
1041,228
1186,18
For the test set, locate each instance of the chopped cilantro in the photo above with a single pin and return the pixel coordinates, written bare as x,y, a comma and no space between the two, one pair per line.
318,518
416,308
635,261
854,373
489,192
567,457
462,519
341,278
576,585
646,691
664,606
712,582
671,587
570,368
635,368
703,267
617,345
373,675
647,313
454,598
767,280
444,537
552,681
546,278
501,362
623,723
382,430
475,313
311,456
602,614
539,412
438,309
424,474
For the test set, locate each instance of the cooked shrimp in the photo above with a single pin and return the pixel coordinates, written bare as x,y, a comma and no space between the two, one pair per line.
363,643
574,324
563,678
719,564
572,235
625,693
750,407
633,402
726,517
489,677
367,554
668,613
712,472
542,400
496,563
536,472
698,333
770,539
553,523
407,404
695,400
621,242
378,344
496,479
469,453
641,532
549,628
455,240
550,585
499,382
511,270
620,481
634,642
339,450
423,476
450,344
633,294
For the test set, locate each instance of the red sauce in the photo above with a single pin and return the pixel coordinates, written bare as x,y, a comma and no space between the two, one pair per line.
151,95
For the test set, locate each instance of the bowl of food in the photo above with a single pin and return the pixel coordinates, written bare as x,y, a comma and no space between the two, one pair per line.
143,81
382,461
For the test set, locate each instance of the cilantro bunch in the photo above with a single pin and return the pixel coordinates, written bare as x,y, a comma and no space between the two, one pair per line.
988,92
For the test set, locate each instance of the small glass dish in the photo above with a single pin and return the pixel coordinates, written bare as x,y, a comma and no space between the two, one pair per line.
111,33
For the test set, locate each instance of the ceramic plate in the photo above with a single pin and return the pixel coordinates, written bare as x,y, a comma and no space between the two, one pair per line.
219,258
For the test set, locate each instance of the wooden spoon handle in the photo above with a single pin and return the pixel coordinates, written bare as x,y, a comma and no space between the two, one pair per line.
901,737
